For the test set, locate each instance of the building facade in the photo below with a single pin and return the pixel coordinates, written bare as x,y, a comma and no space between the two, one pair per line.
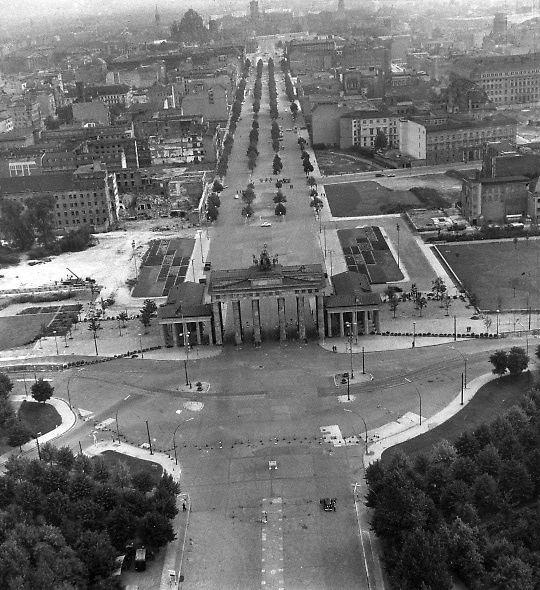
440,139
508,80
87,198
360,128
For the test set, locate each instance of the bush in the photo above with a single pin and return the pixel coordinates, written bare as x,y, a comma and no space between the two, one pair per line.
18,434
8,256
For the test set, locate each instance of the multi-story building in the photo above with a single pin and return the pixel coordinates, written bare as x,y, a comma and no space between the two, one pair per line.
438,139
88,196
210,101
311,55
114,94
6,123
365,56
507,79
360,128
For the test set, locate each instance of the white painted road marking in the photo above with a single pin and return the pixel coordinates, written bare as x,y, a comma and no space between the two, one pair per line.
272,544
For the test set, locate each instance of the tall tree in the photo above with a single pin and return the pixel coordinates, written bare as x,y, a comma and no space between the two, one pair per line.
42,390
381,140
41,217
14,224
499,360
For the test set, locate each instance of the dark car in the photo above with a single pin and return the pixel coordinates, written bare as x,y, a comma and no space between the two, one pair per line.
379,175
328,504
207,265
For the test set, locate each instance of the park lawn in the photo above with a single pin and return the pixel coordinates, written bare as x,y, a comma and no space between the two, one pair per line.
490,270
38,417
22,329
490,401
134,464
357,199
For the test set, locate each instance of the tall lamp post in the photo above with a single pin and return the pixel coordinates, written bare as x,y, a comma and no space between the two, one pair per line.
397,229
365,425
349,329
174,443
498,311
55,341
140,345
37,444
420,398
413,334
464,365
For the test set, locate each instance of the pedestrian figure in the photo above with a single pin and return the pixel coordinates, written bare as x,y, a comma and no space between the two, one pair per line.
184,507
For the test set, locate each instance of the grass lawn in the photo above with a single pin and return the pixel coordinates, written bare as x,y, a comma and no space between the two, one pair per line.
134,464
491,400
356,199
491,270
331,162
39,417
22,329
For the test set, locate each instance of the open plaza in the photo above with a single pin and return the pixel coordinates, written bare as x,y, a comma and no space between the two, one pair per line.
277,362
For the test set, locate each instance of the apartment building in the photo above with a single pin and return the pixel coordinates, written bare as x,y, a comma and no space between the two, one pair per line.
507,79
360,128
88,196
439,139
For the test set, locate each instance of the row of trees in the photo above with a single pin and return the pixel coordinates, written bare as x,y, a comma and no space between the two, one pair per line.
248,196
272,91
236,109
252,151
469,509
304,155
65,518
275,133
23,225
257,88
289,87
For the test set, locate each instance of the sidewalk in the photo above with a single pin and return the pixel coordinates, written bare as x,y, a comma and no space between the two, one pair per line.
384,437
69,419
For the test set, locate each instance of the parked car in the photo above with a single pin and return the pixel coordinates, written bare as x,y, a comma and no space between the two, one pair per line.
328,504
140,560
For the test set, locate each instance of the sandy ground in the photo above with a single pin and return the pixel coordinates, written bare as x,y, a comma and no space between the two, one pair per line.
110,262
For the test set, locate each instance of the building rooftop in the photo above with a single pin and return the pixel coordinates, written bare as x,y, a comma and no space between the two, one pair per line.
185,300
350,289
451,123
50,183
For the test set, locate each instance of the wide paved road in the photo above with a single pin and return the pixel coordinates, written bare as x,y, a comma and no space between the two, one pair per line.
234,242
399,173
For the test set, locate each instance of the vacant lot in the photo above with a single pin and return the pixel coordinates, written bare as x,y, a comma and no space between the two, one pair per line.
22,329
357,199
503,275
491,400
332,162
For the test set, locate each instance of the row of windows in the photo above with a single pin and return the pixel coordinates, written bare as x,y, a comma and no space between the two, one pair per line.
526,72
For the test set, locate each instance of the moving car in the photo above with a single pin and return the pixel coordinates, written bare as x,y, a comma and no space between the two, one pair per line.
266,224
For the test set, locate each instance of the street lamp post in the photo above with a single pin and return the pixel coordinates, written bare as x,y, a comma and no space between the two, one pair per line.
356,320
363,361
420,398
135,260
397,229
349,328
140,346
149,439
498,311
462,387
37,444
414,334
174,443
365,425
464,365
55,342
117,428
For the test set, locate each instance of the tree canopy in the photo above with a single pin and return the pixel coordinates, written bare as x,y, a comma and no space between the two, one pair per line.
63,522
469,509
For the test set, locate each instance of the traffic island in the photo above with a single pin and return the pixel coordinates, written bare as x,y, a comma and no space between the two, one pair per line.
194,387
